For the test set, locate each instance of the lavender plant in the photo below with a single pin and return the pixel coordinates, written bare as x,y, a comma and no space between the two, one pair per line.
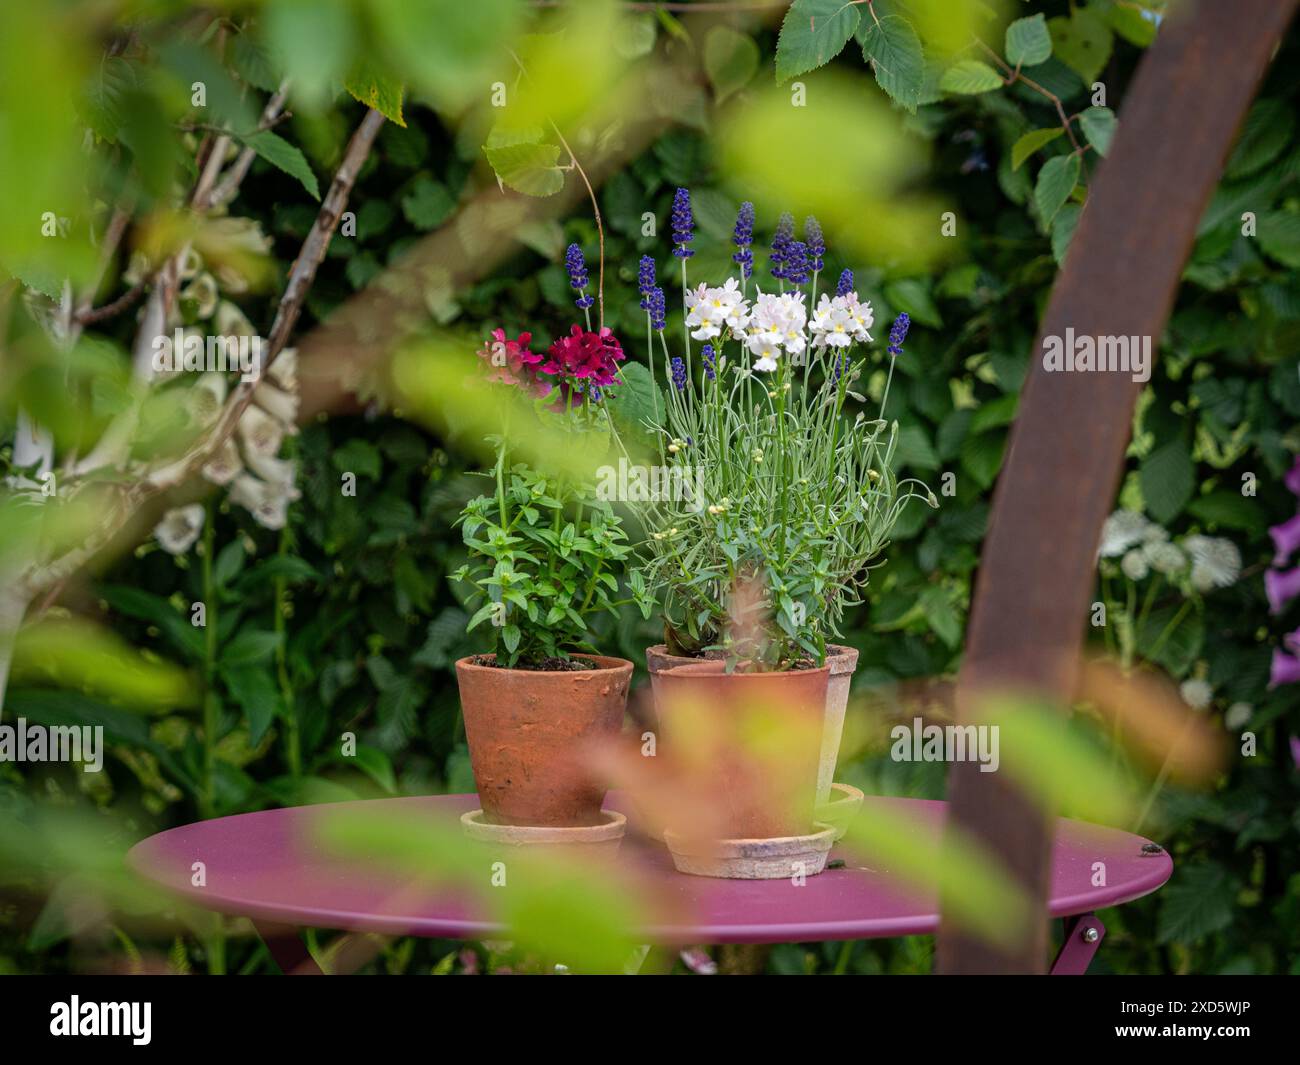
800,488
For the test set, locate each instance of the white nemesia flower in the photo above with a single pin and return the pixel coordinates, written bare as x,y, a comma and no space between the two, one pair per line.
1134,565
224,465
1196,693
179,528
1216,562
1122,530
709,309
1164,557
777,321
1238,716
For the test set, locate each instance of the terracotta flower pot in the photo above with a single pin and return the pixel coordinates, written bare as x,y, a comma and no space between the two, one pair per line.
750,741
526,730
842,661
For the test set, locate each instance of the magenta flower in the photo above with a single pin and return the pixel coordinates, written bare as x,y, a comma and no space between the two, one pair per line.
1295,750
1286,538
1281,586
511,362
585,356
1292,478
1285,669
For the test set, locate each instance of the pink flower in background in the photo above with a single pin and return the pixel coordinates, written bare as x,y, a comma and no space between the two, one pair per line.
1285,669
1295,751
1286,538
1292,478
1281,586
511,362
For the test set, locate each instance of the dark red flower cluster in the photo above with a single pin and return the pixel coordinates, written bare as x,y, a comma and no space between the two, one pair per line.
592,358
512,363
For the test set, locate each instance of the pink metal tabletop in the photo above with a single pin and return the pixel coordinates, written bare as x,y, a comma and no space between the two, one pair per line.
270,867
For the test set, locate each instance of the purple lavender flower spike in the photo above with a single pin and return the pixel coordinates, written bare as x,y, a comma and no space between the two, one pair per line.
796,264
1286,538
1281,586
781,240
709,359
645,280
1285,669
679,373
657,308
898,333
816,241
577,267
683,224
743,238
846,283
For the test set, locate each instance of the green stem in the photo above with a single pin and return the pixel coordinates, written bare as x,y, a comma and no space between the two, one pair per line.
292,738
211,709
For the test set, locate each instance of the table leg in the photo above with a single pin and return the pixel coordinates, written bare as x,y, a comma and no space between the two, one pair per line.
1083,935
287,948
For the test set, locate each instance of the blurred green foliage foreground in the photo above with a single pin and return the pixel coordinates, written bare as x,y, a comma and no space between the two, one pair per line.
330,613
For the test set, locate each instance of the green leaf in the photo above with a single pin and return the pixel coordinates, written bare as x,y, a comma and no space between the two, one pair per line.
894,51
731,59
970,76
1231,510
358,456
913,296
1082,42
255,692
812,34
635,402
375,89
1279,236
981,456
1131,25
428,204
1098,125
249,647
1028,41
1056,180
1199,901
281,154
527,166
1031,142
1067,221
1167,476
1265,133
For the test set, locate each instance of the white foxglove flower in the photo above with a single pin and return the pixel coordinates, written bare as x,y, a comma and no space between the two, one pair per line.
225,465
1216,562
281,405
191,264
204,399
260,433
1134,565
1238,716
1196,693
281,473
1164,557
202,291
284,370
179,528
1122,530
230,321
267,502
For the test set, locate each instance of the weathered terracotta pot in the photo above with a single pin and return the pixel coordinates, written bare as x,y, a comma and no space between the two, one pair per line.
526,729
751,740
842,661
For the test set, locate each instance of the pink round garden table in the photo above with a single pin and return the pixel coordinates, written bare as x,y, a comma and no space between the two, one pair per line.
270,867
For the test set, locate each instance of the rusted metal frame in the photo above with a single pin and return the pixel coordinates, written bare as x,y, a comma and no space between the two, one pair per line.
1179,120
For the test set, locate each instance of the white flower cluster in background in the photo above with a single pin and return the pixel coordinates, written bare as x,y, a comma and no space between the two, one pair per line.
1143,548
840,321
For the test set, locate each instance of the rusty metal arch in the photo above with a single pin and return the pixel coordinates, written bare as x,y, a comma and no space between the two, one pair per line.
1066,453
